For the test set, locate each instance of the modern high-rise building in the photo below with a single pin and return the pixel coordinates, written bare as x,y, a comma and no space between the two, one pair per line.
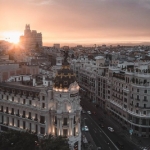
31,39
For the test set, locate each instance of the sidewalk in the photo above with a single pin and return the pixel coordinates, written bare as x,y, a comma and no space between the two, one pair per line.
91,143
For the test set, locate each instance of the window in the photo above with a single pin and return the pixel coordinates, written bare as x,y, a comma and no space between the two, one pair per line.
24,114
137,104
145,91
144,112
6,109
74,120
144,105
43,97
18,111
29,115
125,100
137,111
24,101
137,97
65,132
12,111
145,98
12,98
36,116
24,125
42,119
55,119
18,123
65,121
30,102
137,90
43,105
42,130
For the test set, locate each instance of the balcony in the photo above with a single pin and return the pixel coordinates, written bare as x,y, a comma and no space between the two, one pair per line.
42,122
30,117
18,115
35,119
145,100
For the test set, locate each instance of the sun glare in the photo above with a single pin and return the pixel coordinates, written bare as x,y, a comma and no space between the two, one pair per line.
12,36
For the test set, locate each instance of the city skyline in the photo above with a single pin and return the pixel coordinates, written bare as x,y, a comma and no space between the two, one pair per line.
78,22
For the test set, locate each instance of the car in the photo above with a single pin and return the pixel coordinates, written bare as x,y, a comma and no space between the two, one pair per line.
101,125
110,129
86,128
89,112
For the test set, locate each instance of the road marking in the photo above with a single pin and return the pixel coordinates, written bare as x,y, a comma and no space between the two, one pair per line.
105,134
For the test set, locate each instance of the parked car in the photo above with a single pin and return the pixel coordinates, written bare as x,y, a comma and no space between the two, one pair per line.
110,129
89,112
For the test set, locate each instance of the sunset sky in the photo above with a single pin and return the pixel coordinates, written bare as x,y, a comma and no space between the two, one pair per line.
78,21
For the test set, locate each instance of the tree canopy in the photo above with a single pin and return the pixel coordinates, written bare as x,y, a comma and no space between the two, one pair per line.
16,140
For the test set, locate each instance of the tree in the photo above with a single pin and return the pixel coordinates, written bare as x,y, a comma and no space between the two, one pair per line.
53,143
16,140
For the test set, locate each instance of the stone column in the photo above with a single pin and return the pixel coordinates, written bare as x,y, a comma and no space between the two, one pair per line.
27,125
58,122
21,124
33,127
61,130
5,119
71,127
79,145
15,122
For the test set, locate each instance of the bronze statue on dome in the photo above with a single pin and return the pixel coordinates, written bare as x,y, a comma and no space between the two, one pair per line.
65,55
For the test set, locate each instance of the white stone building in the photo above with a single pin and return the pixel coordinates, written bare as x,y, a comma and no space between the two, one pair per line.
38,105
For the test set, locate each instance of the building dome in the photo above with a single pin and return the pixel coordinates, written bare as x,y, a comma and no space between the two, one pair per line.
64,77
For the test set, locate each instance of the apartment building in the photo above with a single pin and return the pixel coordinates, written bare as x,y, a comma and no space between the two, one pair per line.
120,89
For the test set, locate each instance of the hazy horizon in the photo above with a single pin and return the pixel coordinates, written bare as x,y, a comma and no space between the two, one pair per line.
82,22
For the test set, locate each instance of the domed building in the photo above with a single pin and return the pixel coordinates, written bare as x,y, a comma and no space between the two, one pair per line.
66,111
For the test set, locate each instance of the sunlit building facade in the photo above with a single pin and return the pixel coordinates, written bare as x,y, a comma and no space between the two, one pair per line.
31,39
